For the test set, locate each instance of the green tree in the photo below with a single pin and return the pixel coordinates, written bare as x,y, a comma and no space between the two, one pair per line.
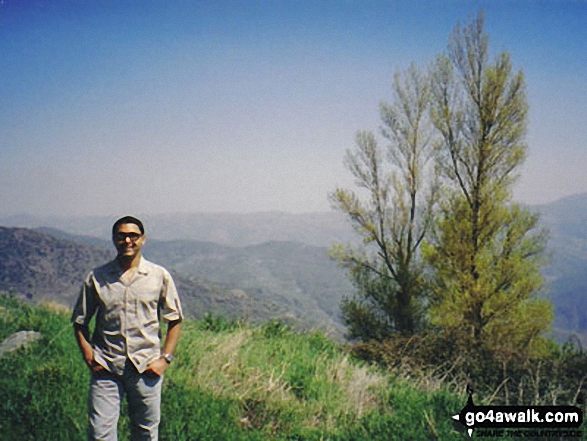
488,250
392,215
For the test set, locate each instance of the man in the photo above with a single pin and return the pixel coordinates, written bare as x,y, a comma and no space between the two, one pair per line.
128,296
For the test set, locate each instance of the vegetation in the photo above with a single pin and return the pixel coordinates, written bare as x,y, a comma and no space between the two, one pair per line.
486,253
474,272
394,217
231,381
454,300
556,377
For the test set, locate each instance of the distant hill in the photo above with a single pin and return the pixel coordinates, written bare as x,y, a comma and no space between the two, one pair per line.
232,229
39,266
300,278
566,273
278,259
297,276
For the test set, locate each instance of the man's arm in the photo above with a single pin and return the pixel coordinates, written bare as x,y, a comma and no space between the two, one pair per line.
159,366
173,332
84,309
82,336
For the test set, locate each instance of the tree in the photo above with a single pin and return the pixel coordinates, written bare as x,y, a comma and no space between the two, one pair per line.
488,250
392,217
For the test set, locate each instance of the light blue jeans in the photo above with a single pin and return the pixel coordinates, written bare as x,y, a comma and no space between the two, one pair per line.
143,393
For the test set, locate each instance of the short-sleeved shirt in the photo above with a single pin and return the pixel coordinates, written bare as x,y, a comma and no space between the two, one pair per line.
127,314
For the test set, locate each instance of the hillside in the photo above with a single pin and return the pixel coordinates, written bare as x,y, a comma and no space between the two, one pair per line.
300,278
39,266
229,383
42,267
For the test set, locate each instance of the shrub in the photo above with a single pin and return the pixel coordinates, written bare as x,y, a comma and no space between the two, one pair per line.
440,359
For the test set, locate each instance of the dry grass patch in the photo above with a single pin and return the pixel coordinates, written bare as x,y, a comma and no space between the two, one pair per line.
281,380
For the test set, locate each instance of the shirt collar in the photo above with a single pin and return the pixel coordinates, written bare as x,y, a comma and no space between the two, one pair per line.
142,269
144,266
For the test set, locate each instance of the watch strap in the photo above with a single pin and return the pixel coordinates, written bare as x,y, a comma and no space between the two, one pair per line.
168,357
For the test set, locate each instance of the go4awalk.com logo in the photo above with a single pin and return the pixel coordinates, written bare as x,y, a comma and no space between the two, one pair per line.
521,421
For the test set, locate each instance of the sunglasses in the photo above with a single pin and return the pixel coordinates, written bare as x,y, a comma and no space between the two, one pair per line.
121,237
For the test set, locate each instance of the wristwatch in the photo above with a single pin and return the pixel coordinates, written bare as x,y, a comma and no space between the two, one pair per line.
168,357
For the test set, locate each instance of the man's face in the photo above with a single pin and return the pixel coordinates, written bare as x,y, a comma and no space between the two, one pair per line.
128,240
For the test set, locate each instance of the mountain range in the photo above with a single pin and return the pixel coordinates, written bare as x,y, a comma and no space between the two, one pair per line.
258,266
231,229
291,282
566,273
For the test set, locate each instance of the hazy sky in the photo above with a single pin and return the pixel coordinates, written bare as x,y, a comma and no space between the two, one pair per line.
144,106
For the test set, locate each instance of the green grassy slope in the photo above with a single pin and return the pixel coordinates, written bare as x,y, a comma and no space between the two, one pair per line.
230,382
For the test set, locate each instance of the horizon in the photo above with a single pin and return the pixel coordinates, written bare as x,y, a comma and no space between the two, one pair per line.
141,215
248,107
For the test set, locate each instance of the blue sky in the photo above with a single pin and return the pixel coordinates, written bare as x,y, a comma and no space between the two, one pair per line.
109,107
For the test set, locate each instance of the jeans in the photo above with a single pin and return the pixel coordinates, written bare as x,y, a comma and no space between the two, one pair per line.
143,393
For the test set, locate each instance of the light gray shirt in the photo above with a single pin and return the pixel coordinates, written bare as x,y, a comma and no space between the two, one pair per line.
128,313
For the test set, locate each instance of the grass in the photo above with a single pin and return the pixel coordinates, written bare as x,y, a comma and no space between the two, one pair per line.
231,381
